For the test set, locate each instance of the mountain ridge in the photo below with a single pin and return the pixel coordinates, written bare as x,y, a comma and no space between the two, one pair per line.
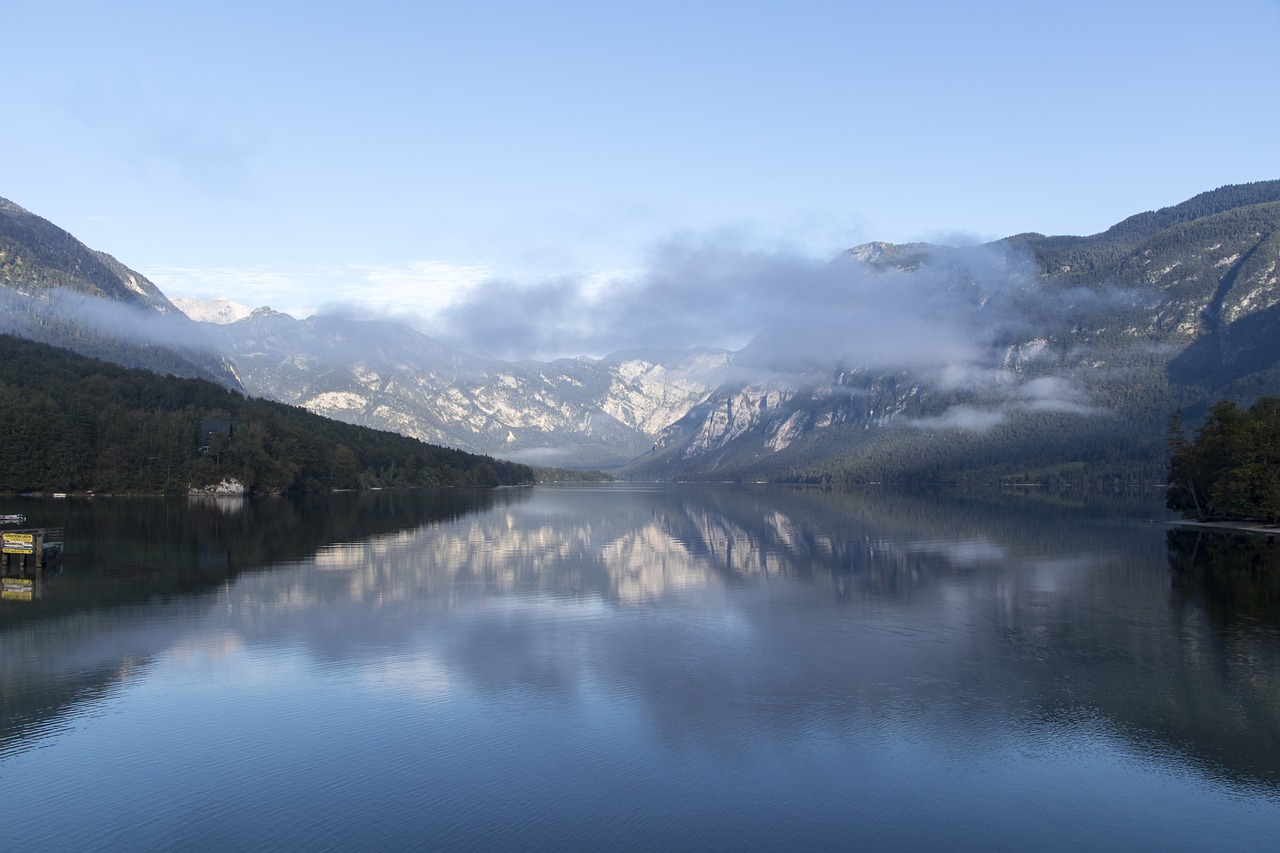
1027,357
56,290
1157,281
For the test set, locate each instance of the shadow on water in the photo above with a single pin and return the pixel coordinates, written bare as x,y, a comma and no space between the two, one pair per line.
1225,595
1234,577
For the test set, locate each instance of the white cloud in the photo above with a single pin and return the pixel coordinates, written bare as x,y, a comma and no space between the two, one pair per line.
419,287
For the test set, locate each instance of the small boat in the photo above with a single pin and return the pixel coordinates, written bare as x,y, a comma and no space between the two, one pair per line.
12,519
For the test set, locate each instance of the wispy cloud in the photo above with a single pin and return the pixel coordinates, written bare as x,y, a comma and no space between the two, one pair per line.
107,317
787,309
421,287
689,292
159,133
1006,394
408,291
1052,394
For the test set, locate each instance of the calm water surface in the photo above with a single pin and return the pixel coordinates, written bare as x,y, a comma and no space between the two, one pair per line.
642,667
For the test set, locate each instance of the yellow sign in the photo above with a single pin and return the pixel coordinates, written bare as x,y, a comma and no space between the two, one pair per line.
18,543
16,589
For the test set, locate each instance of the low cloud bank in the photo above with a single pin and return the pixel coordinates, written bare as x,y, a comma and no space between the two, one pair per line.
956,320
128,323
690,293
787,307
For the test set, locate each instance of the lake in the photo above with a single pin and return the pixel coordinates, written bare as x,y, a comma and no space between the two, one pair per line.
642,667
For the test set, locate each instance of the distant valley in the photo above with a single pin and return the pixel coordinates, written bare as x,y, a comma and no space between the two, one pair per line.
571,412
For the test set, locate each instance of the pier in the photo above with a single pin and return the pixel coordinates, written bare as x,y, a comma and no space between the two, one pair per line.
23,556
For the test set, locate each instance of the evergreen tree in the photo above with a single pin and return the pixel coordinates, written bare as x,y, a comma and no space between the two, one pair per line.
1232,468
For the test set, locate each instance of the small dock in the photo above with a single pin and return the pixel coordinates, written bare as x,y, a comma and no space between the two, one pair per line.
23,556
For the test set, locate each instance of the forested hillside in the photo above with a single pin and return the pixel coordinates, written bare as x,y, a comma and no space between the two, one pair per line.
75,424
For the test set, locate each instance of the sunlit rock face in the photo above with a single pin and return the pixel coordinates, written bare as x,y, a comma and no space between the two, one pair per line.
577,413
227,488
220,310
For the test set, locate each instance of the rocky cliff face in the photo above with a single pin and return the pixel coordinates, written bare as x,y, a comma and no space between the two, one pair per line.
1077,335
570,412
220,310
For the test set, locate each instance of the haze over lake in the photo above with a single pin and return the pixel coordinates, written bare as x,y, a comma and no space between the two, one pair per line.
658,667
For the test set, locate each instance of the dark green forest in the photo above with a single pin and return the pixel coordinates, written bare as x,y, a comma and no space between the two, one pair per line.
76,424
1231,470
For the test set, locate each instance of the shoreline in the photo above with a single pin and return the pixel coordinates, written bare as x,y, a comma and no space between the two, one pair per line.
1237,526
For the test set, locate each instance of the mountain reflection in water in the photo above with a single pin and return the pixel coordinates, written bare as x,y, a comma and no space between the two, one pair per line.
683,666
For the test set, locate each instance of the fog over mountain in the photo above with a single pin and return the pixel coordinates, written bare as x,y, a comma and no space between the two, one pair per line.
56,290
708,291
947,316
786,314
1031,356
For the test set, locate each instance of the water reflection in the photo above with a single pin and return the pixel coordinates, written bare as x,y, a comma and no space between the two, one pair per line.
1226,606
980,629
1233,576
137,573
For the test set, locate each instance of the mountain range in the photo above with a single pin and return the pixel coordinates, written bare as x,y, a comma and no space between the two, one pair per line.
569,412
1029,358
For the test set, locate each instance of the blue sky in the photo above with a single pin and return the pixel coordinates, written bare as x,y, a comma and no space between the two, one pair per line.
394,155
